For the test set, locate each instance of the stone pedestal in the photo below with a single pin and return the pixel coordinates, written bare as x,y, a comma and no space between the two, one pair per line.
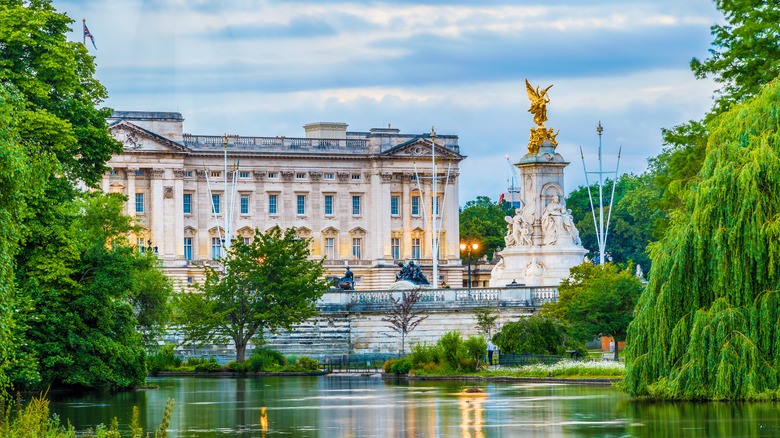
542,241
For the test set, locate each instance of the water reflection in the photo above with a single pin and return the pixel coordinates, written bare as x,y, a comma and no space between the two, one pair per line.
342,406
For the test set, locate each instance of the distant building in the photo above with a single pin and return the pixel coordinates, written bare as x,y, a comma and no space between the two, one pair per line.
355,194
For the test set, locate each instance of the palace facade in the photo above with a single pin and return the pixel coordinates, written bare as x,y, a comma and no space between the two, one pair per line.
362,198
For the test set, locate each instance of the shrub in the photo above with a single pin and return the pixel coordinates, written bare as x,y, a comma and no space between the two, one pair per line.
537,335
401,366
308,364
195,361
163,360
468,364
208,367
239,367
266,359
422,353
388,365
476,348
450,344
432,367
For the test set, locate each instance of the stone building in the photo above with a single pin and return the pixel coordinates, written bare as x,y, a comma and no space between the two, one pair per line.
356,195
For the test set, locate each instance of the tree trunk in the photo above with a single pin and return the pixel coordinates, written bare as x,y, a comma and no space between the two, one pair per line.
240,351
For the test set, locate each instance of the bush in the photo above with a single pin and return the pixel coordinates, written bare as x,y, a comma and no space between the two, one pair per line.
468,364
195,361
388,365
450,344
239,367
422,353
266,360
163,360
537,335
308,364
476,348
208,367
401,366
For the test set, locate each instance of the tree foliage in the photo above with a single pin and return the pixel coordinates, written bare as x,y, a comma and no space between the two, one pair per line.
483,221
596,301
707,326
537,334
268,284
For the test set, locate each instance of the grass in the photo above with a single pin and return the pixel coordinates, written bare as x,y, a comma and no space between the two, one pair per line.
567,369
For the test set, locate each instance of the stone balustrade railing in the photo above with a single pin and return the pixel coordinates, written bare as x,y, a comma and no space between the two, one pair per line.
444,299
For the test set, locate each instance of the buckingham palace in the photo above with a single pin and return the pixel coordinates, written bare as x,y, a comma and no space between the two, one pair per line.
364,199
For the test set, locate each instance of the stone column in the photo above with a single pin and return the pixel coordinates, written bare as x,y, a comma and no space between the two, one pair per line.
202,209
178,214
315,213
383,213
105,183
406,212
452,220
157,210
130,174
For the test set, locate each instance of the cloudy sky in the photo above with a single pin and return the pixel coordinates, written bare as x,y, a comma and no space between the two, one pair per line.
267,68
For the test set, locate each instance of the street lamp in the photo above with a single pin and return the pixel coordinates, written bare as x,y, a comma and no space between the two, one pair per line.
469,247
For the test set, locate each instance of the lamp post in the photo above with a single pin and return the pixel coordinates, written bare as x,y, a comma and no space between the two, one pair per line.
469,246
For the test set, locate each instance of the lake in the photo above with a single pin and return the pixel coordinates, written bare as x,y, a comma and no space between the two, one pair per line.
355,406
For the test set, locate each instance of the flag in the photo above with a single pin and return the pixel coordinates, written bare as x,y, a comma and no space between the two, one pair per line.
88,34
501,199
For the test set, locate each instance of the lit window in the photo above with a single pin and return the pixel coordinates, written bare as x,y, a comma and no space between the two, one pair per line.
328,176
215,204
188,248
244,204
357,243
355,176
301,204
394,205
215,173
415,205
330,247
187,203
356,205
216,247
328,205
272,204
395,248
415,248
243,174
139,202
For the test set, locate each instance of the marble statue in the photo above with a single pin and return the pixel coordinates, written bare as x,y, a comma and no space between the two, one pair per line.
558,225
521,226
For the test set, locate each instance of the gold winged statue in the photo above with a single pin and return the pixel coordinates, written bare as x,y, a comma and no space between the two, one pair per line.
539,101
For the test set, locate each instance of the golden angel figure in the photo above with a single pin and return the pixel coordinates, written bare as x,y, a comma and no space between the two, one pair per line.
539,101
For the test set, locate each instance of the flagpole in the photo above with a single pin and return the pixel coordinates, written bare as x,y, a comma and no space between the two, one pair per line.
83,34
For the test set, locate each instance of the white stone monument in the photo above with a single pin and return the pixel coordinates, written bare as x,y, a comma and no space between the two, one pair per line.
542,243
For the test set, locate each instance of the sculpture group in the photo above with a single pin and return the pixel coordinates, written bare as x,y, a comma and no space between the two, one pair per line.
411,273
539,101
557,225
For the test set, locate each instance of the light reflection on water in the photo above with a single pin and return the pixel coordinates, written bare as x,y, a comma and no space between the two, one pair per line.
351,406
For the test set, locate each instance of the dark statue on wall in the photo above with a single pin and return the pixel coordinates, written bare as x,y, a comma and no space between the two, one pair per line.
345,283
411,272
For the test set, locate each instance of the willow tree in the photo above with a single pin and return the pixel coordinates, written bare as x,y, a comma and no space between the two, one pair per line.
707,324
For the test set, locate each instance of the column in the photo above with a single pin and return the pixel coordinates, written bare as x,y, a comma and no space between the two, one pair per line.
203,217
375,207
177,248
105,183
157,210
316,213
130,174
406,251
452,221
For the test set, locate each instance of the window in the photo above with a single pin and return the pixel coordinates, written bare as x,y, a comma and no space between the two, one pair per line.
328,205
414,177
301,204
436,205
355,176
330,248
215,204
139,172
357,243
243,174
394,206
247,240
113,172
300,175
395,248
356,206
215,174
187,203
188,248
416,248
244,204
216,247
272,204
188,174
415,205
139,202
328,176
273,175
189,280
139,244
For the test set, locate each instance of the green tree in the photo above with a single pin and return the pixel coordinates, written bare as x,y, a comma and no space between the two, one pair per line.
486,320
597,301
537,334
483,220
268,284
707,325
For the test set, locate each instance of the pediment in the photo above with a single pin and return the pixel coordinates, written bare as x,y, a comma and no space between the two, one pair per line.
137,139
420,147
